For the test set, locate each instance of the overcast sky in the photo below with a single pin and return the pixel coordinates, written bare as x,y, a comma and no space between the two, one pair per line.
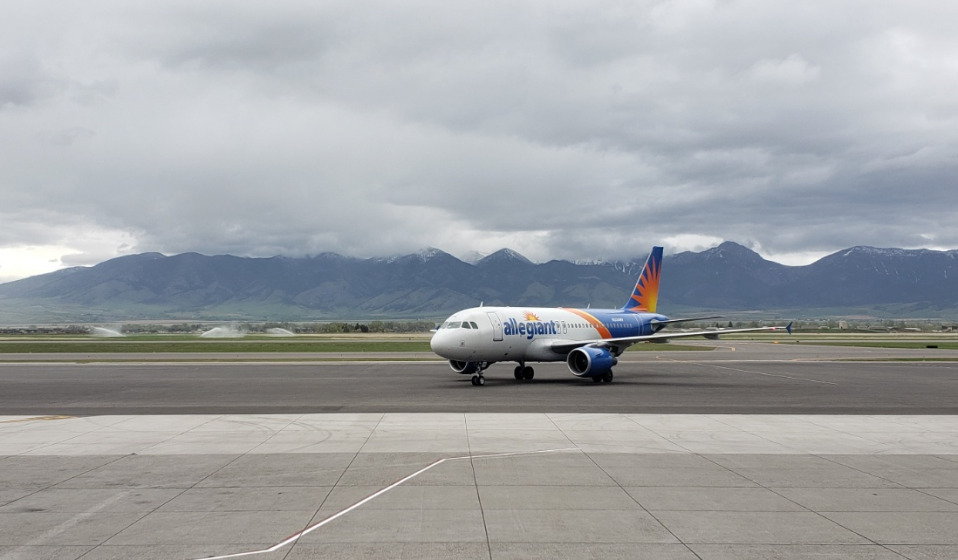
578,130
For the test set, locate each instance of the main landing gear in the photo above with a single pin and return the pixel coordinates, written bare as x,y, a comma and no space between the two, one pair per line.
524,372
605,378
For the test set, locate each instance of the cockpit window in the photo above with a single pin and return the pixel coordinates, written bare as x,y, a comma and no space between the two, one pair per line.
459,325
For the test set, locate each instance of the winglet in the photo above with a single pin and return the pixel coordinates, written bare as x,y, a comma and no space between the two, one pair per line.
645,296
788,327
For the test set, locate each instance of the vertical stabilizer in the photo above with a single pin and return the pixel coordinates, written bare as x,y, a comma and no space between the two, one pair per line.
645,296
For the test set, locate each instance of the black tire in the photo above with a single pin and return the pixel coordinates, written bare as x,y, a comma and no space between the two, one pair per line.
481,381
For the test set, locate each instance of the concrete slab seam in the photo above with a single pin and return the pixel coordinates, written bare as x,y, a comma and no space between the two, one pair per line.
298,535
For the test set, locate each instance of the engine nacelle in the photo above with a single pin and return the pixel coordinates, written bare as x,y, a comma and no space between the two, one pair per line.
589,361
467,368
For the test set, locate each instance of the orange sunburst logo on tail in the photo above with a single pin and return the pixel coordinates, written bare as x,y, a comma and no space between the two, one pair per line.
645,296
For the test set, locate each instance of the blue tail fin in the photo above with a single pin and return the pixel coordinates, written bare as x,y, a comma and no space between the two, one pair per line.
645,296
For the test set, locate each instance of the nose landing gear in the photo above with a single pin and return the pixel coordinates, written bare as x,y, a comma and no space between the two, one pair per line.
478,380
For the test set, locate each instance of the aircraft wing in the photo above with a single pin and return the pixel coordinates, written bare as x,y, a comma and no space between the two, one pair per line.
564,347
657,324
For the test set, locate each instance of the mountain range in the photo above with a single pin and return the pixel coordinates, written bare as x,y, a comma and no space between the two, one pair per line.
730,278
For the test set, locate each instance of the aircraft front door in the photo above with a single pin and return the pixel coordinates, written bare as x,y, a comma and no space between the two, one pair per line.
496,325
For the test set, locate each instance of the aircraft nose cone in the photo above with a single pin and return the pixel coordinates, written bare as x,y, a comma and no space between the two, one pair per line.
445,344
436,343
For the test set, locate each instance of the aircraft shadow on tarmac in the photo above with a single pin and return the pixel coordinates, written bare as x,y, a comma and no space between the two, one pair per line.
645,381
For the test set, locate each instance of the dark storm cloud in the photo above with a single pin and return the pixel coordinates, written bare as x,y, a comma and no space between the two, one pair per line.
563,130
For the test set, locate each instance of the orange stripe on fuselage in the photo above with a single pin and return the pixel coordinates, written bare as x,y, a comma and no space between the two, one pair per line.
596,324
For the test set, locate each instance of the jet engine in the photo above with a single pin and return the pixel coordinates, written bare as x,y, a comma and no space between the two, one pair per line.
463,367
589,361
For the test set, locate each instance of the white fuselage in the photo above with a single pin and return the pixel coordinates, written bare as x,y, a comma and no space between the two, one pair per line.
521,334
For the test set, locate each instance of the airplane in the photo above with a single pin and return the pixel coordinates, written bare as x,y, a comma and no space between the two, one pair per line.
588,340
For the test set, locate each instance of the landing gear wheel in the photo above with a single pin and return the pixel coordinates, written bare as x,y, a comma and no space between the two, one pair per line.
523,373
607,378
478,379
597,380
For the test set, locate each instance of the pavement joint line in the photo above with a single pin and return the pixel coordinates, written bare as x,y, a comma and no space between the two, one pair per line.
645,509
298,535
174,435
339,479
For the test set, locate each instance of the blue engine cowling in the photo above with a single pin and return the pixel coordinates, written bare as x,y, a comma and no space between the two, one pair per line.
589,361
463,367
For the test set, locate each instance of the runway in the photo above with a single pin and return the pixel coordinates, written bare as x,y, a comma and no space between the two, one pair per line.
735,378
196,460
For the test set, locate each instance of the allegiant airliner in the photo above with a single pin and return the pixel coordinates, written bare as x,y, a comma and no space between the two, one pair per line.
588,340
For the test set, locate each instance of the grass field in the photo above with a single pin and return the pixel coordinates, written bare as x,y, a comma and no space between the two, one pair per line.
944,345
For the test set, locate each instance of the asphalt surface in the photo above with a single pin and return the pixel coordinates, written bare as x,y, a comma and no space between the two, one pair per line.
736,378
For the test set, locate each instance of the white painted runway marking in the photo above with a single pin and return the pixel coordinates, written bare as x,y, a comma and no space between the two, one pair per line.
296,536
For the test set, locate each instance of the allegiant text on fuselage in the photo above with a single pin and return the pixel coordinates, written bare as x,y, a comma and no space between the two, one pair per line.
529,329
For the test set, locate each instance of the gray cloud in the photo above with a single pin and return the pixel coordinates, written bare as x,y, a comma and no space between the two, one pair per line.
563,130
